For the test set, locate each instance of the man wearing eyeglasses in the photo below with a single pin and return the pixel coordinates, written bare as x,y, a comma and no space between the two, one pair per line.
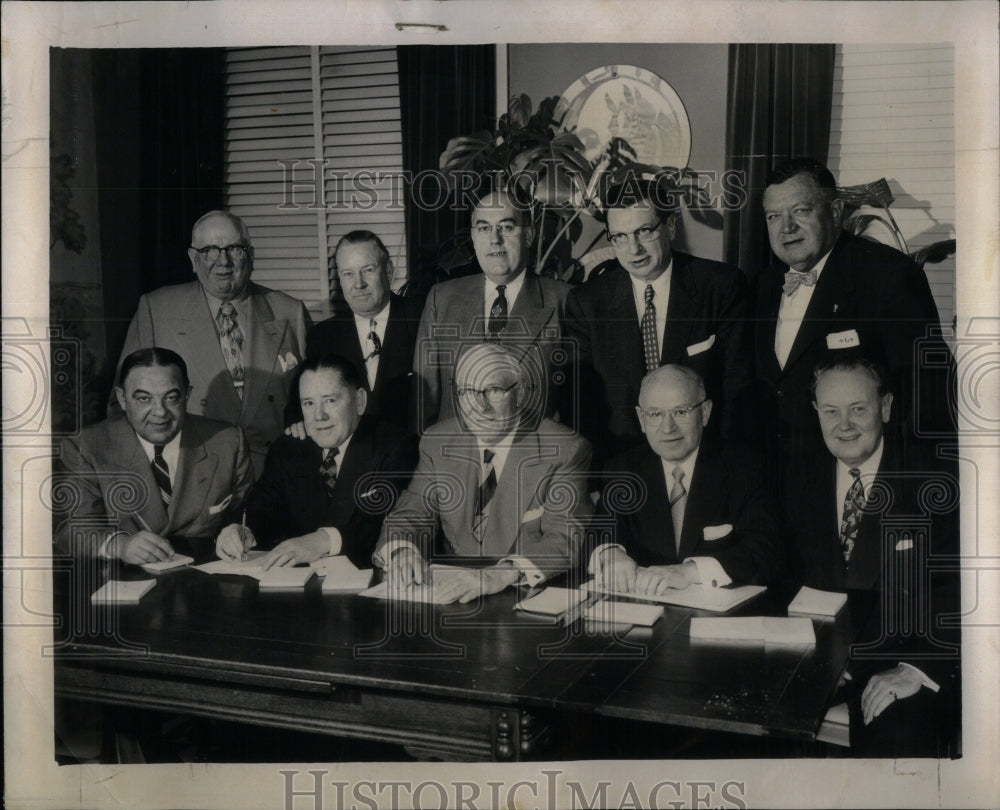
242,340
508,304
655,306
685,511
489,485
377,330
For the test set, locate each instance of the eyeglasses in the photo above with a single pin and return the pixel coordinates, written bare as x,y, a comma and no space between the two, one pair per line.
211,253
507,228
647,233
493,394
655,415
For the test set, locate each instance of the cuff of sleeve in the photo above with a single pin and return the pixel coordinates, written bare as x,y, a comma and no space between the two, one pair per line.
595,556
102,552
336,540
531,573
710,572
382,555
930,684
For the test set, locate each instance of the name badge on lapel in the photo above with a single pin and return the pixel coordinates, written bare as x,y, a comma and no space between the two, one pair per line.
843,340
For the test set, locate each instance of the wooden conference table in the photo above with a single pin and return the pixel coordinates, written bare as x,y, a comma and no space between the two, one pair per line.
458,682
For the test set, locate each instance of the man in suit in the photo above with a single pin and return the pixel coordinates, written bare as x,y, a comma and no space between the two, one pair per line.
507,303
242,340
328,494
828,290
656,306
378,331
159,472
702,514
490,484
869,514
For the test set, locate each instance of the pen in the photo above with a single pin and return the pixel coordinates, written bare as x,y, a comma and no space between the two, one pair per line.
575,611
145,525
243,535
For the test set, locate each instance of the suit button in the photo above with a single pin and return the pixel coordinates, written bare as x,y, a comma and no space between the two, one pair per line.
270,397
780,394
204,402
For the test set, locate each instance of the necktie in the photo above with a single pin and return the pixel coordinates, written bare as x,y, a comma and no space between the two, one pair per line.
231,340
793,278
678,499
328,469
373,339
161,472
649,340
498,313
854,504
487,489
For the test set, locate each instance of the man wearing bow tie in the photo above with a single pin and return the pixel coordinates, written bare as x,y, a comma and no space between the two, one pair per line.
327,494
376,332
495,484
830,290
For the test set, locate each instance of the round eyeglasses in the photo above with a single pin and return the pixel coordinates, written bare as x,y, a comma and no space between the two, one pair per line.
211,253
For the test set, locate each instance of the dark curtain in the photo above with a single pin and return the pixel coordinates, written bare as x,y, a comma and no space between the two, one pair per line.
778,106
160,130
444,91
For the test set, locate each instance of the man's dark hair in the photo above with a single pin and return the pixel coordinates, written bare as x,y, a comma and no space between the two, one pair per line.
520,200
360,237
851,362
821,175
661,193
332,362
148,358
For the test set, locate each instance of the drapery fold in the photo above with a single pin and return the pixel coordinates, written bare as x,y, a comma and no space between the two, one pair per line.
778,106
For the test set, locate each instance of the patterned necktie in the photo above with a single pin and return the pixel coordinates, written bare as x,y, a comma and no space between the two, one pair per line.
854,504
161,472
231,340
328,469
498,313
793,278
678,499
486,491
373,339
650,344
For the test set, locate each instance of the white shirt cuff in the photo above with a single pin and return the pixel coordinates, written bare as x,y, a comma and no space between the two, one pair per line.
382,556
710,572
532,575
595,555
336,541
102,552
930,684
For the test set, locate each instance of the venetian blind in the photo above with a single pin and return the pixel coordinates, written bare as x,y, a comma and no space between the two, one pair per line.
893,117
313,150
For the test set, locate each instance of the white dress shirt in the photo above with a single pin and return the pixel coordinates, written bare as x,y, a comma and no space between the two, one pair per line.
511,292
661,297
791,311
364,327
332,532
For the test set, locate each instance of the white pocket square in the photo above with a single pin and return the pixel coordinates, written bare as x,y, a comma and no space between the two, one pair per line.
698,348
532,514
904,545
843,340
220,506
288,362
370,493
717,532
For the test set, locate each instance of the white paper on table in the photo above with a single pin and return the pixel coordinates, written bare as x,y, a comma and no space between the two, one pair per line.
609,612
817,603
356,580
165,565
122,592
700,597
248,567
420,593
552,601
285,577
336,566
769,629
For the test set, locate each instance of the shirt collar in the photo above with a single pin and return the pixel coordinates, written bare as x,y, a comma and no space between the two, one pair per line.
242,305
867,468
510,291
171,448
687,465
363,322
342,447
661,286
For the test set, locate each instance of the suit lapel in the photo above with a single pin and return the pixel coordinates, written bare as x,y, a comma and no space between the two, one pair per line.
509,502
197,323
530,313
768,300
656,528
683,311
621,311
394,344
195,472
265,343
133,461
706,477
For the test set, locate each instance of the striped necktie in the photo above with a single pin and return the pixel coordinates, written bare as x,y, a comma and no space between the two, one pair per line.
161,472
487,489
678,500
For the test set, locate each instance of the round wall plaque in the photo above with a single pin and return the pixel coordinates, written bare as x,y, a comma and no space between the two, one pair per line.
627,102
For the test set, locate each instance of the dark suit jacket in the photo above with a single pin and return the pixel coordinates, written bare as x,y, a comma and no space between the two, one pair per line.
705,330
453,320
909,527
107,485
884,297
177,318
727,487
390,399
291,499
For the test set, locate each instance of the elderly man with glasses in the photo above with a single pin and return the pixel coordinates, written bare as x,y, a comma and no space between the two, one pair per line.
655,306
493,484
241,340
685,511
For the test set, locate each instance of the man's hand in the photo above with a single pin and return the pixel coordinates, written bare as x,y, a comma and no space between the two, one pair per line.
615,570
656,580
886,688
233,541
464,586
141,548
406,568
298,430
297,550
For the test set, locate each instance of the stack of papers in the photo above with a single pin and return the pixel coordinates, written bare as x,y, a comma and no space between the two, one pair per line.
609,612
174,562
340,574
701,597
812,602
420,593
118,592
769,629
552,601
285,578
